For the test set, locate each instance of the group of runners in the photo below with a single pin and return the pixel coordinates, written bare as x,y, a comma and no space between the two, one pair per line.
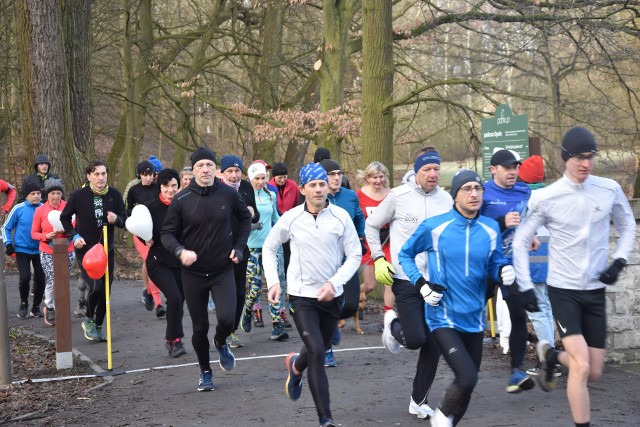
441,254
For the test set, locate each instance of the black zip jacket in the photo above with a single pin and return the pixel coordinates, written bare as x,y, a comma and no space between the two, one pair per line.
81,204
139,194
158,253
201,219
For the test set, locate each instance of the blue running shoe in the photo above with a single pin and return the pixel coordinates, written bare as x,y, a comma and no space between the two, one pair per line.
227,359
327,422
206,381
245,321
337,337
90,331
519,381
293,386
329,360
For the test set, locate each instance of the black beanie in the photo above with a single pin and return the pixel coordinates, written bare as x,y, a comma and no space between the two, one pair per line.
279,169
145,166
330,165
201,154
577,140
321,154
30,187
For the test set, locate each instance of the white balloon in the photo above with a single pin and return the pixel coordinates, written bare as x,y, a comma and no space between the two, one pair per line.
54,220
140,222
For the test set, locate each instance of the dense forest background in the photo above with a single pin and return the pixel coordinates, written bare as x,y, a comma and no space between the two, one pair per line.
274,79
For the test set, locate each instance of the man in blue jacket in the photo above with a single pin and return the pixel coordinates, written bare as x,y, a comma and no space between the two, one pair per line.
504,200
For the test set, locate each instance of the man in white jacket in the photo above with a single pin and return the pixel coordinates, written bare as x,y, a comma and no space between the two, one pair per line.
325,254
577,210
404,209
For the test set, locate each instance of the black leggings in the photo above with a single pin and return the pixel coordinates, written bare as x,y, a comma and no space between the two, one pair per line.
96,297
169,281
463,353
240,275
351,296
411,330
196,291
519,331
24,262
316,322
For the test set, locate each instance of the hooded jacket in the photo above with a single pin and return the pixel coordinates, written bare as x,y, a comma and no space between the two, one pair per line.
20,219
200,219
35,177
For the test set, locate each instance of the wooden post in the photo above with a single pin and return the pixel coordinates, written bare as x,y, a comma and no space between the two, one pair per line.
535,148
61,294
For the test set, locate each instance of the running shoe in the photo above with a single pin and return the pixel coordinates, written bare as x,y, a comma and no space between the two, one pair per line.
35,312
245,321
90,332
438,419
278,332
534,371
234,342
328,423
148,300
293,385
49,316
81,310
102,337
422,411
257,319
519,381
546,379
227,359
329,360
160,311
206,381
389,342
175,348
23,310
337,337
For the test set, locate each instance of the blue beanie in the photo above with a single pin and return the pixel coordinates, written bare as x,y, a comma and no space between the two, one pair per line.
426,158
311,172
156,163
230,161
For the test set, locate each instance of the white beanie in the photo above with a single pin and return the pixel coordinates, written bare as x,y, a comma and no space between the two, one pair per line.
255,170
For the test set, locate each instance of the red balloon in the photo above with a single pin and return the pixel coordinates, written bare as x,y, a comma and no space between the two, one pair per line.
95,262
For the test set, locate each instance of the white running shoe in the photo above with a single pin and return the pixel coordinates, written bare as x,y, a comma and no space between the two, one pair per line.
422,411
441,420
389,342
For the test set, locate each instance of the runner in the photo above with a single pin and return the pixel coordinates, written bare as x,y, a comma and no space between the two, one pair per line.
325,254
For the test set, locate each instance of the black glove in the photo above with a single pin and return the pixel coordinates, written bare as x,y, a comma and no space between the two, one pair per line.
363,245
529,301
610,276
10,250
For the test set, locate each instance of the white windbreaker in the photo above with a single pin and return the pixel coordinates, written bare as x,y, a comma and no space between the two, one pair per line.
577,217
318,249
404,209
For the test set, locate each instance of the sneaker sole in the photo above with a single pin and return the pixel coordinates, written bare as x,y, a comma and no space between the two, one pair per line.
206,388
282,337
419,414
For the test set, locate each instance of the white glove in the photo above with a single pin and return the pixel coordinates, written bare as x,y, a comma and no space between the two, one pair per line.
508,275
430,296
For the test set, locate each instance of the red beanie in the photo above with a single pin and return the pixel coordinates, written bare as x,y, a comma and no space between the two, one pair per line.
532,170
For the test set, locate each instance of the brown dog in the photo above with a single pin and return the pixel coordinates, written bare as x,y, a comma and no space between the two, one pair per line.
362,304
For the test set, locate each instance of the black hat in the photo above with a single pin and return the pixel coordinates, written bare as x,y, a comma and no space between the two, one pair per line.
577,140
165,175
145,166
461,178
504,158
30,187
321,154
279,169
201,154
330,165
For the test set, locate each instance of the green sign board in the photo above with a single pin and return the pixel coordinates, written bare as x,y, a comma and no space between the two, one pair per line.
504,130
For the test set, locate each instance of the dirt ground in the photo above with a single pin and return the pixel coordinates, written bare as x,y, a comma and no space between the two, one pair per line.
370,387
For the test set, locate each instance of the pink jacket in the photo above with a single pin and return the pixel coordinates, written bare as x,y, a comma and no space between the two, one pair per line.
41,227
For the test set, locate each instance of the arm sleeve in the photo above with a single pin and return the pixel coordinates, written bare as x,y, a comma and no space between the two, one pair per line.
172,229
244,224
8,226
130,202
36,226
275,216
353,254
252,203
420,241
278,235
625,223
380,216
358,219
120,212
67,214
10,191
497,260
532,219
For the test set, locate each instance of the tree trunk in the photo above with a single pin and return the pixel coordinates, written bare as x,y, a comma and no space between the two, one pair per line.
377,84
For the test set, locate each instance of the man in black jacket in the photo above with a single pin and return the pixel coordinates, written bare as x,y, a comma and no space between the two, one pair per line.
41,173
94,206
197,231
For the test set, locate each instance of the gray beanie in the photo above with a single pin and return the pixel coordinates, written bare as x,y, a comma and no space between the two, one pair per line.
461,178
52,184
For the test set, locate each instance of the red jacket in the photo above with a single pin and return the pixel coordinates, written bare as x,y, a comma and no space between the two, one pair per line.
287,196
41,226
10,190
